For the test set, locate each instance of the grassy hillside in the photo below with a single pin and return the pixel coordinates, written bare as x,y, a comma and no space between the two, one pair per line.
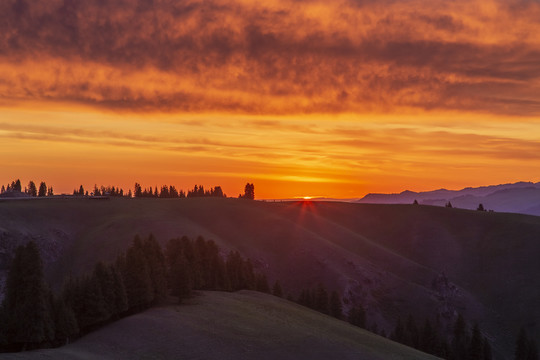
244,325
383,256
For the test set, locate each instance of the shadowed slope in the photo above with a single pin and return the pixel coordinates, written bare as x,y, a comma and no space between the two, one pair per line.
245,325
386,257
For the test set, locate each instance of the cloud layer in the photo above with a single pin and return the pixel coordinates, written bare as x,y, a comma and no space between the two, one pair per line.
276,57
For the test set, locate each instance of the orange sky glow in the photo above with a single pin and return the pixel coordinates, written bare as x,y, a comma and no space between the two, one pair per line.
302,98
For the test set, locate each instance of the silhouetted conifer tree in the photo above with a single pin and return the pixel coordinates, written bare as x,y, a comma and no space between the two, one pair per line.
476,345
137,190
120,296
277,290
164,192
428,338
156,267
16,185
234,270
533,350
522,346
411,332
322,303
137,277
249,192
66,325
459,339
31,190
262,283
92,310
357,316
42,189
106,282
487,350
29,321
399,333
336,308
526,348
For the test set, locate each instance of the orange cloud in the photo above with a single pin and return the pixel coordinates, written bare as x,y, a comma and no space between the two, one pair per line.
333,98
279,57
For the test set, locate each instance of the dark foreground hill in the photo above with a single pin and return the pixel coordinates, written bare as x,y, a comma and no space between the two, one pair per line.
395,260
223,326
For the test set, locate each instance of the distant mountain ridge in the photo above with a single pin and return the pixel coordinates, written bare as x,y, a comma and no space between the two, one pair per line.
520,197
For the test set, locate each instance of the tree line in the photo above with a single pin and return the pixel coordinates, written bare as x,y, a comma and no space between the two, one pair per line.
431,338
32,316
165,191
171,192
31,189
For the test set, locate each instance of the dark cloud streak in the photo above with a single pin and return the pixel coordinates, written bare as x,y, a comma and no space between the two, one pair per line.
279,54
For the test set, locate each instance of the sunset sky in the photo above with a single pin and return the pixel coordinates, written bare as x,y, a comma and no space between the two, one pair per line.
301,97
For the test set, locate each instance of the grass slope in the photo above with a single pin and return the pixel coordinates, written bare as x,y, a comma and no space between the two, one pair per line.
384,256
221,326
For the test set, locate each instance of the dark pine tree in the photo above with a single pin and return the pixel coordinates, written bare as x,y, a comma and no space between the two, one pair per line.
261,283
136,275
249,192
533,350
120,296
412,334
459,340
336,308
178,268
16,185
106,282
156,267
399,333
476,345
277,290
26,301
487,350
138,190
522,346
31,190
428,338
90,308
357,316
181,278
322,303
65,322
42,189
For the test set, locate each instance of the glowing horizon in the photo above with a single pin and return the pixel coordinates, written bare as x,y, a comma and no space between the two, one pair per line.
306,97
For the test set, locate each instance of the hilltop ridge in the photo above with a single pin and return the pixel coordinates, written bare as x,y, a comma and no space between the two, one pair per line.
520,197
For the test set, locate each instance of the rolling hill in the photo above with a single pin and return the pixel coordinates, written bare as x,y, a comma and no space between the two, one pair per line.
521,197
393,259
221,326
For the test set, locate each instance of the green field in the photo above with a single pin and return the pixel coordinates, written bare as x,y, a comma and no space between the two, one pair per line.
221,326
383,256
